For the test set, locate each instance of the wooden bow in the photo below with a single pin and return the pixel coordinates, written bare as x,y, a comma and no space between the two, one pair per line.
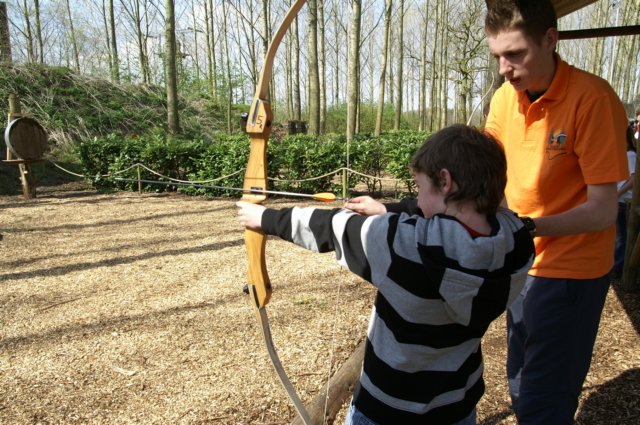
259,127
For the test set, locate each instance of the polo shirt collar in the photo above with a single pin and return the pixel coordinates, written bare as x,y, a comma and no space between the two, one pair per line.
559,83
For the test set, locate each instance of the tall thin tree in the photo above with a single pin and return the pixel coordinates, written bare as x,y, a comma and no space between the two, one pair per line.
5,39
312,67
354,61
228,62
423,67
211,50
36,6
396,122
27,31
173,117
74,41
297,100
322,66
383,66
115,61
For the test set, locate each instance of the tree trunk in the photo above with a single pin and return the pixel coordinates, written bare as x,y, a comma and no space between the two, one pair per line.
74,43
115,62
266,36
289,74
354,61
322,67
5,39
36,6
443,74
433,94
630,80
214,61
596,64
107,35
196,59
208,19
383,66
297,101
27,31
423,70
265,27
314,79
228,62
336,53
372,71
173,118
141,40
396,123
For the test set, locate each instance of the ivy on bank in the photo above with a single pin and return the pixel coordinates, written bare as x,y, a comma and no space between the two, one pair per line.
294,161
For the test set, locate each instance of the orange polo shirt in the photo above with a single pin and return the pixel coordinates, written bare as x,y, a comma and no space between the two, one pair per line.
571,137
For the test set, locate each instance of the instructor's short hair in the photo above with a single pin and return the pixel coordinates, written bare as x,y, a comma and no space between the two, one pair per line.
532,17
475,160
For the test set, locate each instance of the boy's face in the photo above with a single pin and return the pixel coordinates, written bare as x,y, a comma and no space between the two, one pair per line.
430,197
527,65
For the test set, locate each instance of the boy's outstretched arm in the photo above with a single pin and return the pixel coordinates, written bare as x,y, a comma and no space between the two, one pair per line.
318,230
291,224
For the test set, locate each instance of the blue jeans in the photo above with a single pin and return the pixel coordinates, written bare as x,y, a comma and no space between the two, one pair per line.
621,238
355,417
551,330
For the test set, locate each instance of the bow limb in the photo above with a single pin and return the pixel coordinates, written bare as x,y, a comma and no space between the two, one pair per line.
259,128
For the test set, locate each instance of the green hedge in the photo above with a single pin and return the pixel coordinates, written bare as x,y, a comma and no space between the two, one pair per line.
294,162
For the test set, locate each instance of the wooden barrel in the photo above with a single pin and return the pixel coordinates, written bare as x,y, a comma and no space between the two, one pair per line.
26,138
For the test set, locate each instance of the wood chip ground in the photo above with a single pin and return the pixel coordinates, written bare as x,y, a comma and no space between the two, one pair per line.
126,308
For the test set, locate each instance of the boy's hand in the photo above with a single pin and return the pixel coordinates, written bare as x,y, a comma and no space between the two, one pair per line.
365,205
250,215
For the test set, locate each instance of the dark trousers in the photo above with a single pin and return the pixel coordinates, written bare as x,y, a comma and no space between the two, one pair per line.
552,328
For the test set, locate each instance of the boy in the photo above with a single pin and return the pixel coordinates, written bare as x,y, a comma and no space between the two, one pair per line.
441,278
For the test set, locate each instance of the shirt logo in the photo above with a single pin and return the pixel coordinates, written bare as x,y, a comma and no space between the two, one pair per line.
556,144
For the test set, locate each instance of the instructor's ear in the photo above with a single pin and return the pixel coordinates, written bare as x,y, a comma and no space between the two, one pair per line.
550,39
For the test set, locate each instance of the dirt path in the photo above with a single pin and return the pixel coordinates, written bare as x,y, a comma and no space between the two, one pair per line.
128,308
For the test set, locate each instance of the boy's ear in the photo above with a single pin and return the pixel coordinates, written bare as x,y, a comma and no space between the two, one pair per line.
446,182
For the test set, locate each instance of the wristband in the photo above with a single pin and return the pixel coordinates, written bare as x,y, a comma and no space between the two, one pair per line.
530,225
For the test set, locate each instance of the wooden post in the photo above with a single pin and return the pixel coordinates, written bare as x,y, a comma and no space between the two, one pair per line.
14,112
338,390
139,178
27,178
345,182
632,249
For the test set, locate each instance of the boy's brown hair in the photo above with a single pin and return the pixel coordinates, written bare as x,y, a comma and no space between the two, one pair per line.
475,161
532,17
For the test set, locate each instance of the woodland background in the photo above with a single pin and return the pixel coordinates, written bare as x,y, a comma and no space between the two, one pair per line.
190,67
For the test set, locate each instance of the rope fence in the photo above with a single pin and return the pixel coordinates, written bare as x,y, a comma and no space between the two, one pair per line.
342,170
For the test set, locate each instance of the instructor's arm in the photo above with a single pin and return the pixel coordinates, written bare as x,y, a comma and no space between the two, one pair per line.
597,213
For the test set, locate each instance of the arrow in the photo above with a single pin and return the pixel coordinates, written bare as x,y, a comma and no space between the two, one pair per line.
322,197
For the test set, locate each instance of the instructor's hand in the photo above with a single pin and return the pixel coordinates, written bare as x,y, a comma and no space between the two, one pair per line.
250,215
365,205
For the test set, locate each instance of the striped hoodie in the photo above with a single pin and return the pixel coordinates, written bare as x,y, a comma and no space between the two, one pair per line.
438,291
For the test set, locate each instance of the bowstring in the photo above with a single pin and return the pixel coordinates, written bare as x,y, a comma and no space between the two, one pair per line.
333,346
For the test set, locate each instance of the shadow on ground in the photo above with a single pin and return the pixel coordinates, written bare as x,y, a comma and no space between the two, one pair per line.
616,402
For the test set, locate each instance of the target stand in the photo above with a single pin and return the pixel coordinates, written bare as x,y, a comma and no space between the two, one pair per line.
26,142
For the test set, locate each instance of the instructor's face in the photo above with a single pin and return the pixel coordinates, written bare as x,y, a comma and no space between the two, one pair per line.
527,65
